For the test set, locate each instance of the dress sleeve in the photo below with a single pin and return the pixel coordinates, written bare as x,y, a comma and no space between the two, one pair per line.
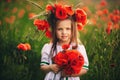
45,52
82,50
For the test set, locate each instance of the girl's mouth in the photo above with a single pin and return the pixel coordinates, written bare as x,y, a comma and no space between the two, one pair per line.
64,36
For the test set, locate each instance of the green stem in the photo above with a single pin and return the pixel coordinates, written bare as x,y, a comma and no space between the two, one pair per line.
40,14
78,4
35,4
41,35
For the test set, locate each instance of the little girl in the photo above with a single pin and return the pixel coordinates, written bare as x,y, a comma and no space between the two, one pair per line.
64,31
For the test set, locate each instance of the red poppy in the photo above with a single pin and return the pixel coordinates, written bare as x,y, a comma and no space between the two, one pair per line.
69,10
14,10
8,1
109,28
116,12
60,12
70,61
81,16
79,26
41,24
31,15
21,13
60,59
71,55
48,34
105,11
57,6
65,46
103,3
116,26
49,8
21,46
24,47
75,64
28,46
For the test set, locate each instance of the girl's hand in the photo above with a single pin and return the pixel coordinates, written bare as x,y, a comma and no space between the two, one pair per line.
54,67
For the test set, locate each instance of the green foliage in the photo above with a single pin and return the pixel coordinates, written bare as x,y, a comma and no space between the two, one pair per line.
103,53
102,49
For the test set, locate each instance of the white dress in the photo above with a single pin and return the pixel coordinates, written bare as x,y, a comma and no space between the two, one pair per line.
46,60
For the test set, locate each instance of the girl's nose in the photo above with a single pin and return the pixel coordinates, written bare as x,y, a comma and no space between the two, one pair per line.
64,31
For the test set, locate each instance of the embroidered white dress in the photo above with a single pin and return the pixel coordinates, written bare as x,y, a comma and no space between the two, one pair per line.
46,60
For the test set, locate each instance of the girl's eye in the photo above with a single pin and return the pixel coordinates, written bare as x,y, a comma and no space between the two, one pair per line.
68,28
59,28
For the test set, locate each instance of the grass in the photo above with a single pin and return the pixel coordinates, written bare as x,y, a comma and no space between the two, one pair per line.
102,49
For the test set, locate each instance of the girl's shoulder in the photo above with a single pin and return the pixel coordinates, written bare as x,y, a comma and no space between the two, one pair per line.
47,45
46,49
81,47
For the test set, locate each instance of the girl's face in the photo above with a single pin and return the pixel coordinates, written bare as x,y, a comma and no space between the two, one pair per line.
63,31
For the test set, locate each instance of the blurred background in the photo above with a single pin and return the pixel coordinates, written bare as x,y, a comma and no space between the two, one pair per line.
101,37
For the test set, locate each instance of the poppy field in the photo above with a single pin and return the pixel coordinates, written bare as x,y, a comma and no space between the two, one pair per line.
21,40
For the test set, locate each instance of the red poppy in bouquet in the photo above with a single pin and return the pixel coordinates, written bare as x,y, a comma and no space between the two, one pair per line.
70,61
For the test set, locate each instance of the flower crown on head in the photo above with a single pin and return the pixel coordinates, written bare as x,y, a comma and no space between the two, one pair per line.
62,12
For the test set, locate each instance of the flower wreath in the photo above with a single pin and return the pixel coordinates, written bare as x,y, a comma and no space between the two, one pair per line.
62,12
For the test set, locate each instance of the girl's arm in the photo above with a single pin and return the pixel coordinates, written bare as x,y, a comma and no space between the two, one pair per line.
52,67
82,72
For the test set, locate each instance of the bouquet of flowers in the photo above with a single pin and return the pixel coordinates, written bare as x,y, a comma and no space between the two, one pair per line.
70,61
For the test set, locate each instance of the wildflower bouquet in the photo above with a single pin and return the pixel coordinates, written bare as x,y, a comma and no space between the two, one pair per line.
70,61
